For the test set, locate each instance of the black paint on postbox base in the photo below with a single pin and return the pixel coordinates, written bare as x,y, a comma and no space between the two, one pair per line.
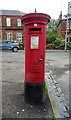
34,93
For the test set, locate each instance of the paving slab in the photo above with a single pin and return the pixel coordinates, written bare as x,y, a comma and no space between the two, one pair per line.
14,106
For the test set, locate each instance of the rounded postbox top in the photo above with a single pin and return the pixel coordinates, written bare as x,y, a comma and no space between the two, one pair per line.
35,18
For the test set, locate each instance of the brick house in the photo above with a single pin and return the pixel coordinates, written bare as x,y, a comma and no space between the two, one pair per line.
11,27
61,28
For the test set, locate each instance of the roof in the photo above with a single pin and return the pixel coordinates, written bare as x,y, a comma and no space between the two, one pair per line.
11,12
63,20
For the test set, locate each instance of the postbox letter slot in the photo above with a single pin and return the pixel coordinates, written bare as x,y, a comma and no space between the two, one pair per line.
34,29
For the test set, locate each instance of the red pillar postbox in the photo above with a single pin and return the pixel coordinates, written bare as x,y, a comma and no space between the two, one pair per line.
35,46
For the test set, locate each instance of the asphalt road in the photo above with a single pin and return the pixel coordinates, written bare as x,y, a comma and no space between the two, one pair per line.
13,104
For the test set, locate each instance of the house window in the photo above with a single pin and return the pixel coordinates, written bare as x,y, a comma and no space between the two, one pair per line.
70,38
67,39
8,21
19,36
0,22
68,25
18,22
9,36
0,35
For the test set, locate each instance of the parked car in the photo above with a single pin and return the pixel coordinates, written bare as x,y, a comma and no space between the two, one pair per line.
9,45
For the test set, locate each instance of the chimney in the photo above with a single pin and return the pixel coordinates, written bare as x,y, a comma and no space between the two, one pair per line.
60,16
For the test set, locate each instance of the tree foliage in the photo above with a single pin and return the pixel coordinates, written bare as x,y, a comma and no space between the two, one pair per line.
51,35
53,23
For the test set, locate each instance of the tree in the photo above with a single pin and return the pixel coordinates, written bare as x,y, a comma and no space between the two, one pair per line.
52,37
53,23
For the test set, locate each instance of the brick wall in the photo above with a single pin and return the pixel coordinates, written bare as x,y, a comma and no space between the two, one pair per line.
62,28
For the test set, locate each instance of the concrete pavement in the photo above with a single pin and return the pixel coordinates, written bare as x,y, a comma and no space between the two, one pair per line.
13,104
13,92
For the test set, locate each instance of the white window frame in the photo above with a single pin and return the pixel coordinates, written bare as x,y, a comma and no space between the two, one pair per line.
0,21
8,21
19,36
68,25
0,35
9,36
69,38
18,22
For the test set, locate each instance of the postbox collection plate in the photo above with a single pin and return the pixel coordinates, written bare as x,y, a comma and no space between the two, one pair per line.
34,42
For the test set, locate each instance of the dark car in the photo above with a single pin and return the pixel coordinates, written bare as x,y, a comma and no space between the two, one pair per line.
9,45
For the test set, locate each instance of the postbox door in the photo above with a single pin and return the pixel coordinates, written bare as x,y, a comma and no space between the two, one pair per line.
35,57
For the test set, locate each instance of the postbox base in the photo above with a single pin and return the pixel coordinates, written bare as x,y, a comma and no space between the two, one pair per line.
34,93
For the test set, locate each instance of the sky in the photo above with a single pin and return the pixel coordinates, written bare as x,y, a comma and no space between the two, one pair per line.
50,7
